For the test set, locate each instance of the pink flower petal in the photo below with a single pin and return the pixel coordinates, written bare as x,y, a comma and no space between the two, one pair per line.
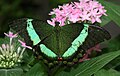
3,46
51,22
82,11
11,35
23,44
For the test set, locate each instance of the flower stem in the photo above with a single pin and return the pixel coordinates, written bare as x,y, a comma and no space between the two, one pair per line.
22,52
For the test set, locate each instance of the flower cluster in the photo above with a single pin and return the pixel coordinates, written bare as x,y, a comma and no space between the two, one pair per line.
11,55
87,11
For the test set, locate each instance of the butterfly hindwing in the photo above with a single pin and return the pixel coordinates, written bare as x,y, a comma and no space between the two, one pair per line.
77,42
47,51
96,35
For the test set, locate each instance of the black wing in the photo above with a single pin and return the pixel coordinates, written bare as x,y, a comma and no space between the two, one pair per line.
96,35
20,26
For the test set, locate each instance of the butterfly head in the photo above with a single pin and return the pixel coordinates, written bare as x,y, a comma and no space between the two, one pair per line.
60,58
57,23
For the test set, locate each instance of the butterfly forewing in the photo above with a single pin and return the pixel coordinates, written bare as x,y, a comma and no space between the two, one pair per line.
31,30
43,29
20,26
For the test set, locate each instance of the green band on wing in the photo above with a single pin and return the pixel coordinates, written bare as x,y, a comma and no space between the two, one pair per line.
31,31
36,39
77,42
47,51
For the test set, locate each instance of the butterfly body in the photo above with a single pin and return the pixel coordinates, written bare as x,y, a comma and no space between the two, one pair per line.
59,45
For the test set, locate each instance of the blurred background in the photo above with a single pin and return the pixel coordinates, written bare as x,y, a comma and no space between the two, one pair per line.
38,9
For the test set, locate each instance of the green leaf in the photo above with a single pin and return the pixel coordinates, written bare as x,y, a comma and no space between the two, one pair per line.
90,67
37,70
110,72
113,11
114,44
115,2
105,20
1,41
11,72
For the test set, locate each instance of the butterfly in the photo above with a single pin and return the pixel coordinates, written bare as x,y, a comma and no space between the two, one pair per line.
59,44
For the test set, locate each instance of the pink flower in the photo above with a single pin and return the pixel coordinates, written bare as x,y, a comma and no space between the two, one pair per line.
11,35
82,11
74,18
51,22
85,16
23,44
98,19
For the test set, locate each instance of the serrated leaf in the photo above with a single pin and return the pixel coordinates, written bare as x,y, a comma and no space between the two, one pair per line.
90,67
11,72
37,70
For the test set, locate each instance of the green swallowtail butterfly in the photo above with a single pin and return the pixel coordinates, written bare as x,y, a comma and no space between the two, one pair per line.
57,45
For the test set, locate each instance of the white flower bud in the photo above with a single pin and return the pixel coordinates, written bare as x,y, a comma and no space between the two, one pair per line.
4,65
11,49
4,47
19,60
1,50
18,50
2,57
8,48
12,63
9,56
14,55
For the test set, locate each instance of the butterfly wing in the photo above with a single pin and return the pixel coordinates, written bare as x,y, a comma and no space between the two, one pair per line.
96,35
87,39
33,31
77,42
62,38
19,26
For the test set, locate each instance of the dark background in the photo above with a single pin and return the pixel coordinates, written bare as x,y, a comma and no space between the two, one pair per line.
38,9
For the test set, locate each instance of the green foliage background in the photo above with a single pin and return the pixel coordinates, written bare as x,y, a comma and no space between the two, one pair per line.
107,62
